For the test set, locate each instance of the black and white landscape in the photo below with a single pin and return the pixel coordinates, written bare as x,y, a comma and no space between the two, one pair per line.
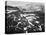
24,17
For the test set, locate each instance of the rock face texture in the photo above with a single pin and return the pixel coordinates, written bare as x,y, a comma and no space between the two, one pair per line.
20,19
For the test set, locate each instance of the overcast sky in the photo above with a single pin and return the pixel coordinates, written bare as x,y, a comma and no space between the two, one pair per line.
27,5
